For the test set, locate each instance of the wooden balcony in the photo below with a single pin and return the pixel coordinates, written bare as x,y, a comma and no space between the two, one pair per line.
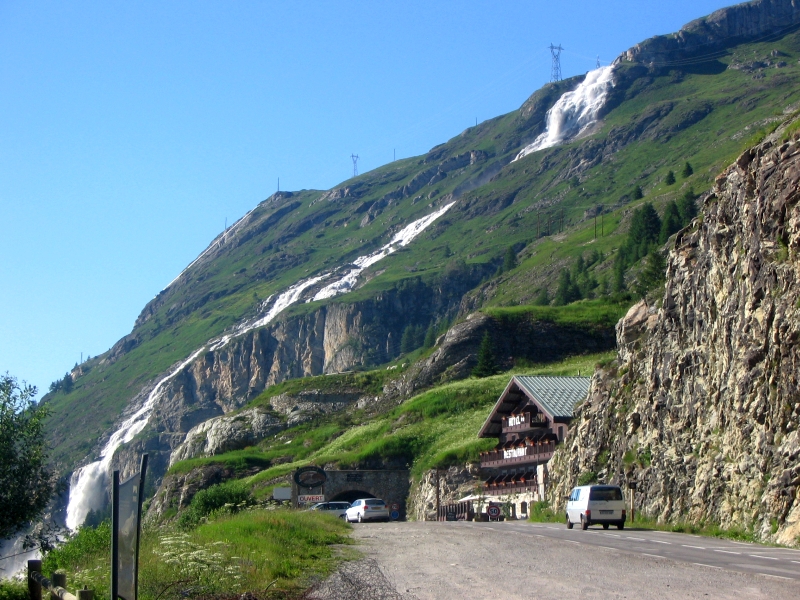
511,457
511,484
523,422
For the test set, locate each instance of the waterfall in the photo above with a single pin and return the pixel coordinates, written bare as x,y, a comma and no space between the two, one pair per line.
574,112
88,485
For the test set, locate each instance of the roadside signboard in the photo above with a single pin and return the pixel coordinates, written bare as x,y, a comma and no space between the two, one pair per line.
282,493
306,498
310,477
395,506
493,512
394,515
126,516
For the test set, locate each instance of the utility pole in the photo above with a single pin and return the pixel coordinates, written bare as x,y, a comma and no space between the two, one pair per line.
279,184
555,71
355,164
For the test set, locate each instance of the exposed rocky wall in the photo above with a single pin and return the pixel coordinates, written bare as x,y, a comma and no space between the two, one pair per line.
702,407
454,483
719,29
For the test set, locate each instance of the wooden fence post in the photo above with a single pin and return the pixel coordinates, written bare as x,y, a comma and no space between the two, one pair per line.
34,588
60,580
85,594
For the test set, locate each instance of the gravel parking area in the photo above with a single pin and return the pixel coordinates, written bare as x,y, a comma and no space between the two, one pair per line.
456,561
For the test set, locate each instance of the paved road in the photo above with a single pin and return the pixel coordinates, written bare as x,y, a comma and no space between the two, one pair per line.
509,560
694,549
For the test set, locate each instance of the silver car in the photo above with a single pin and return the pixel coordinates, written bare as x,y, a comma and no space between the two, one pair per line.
338,509
368,509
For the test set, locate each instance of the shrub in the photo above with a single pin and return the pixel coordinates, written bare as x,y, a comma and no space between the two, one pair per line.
13,590
232,495
587,477
540,512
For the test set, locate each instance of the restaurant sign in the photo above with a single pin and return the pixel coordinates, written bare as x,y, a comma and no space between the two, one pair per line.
514,452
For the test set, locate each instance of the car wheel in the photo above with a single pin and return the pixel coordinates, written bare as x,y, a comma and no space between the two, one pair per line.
605,525
359,518
569,523
621,525
584,523
343,517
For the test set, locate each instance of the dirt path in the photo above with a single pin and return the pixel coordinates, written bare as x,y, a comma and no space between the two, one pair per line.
450,561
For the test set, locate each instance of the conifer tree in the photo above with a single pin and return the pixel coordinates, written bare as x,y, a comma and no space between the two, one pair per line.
671,223
687,170
510,260
637,193
670,178
486,363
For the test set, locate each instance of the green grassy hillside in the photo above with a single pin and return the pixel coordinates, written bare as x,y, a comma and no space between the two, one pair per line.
657,120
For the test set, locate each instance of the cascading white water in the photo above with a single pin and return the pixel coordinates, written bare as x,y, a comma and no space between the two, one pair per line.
402,238
87,490
574,111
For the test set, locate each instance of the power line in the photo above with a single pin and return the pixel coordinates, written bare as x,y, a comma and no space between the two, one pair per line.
355,164
555,71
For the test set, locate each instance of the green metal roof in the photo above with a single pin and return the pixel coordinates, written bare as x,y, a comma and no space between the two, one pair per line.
557,395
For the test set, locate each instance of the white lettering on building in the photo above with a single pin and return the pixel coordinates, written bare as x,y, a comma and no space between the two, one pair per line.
514,452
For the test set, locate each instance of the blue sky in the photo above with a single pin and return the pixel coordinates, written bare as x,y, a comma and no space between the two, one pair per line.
130,132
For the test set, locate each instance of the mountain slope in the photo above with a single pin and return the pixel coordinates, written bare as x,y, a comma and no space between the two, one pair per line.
654,119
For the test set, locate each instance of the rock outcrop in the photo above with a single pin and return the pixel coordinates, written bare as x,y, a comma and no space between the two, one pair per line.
226,433
702,408
454,483
721,28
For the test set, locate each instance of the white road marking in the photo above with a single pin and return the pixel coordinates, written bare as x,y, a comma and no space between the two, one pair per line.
705,565
696,547
652,555
660,542
727,551
765,557
776,576
796,561
637,539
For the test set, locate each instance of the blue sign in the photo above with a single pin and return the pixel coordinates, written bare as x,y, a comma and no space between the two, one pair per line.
394,515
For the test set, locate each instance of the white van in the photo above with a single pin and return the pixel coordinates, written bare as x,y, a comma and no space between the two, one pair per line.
596,505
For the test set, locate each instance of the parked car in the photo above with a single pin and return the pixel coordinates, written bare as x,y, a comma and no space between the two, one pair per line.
596,505
368,509
338,509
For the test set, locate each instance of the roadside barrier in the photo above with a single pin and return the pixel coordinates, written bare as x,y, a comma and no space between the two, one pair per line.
55,585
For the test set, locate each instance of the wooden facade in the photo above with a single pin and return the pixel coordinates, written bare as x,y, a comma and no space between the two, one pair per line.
531,417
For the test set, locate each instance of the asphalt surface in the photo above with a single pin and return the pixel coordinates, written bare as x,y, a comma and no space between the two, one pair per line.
694,549
517,559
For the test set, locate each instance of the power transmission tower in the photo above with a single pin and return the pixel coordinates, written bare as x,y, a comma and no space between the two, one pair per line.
555,73
355,164
598,61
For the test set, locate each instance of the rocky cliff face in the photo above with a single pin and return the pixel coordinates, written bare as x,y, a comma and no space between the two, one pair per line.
719,29
702,407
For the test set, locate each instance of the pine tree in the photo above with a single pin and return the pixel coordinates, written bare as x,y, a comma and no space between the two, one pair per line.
486,363
509,260
654,273
430,337
637,193
670,178
687,170
541,298
687,207
671,223
407,340
644,231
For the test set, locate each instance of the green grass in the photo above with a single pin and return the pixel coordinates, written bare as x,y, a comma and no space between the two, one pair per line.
283,551
600,313
541,512
705,529
437,428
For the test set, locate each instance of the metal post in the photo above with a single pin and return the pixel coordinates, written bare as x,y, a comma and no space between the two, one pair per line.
85,594
115,536
142,473
60,580
34,587
633,513
437,493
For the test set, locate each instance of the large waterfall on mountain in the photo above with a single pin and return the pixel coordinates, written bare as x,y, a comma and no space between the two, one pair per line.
89,483
574,112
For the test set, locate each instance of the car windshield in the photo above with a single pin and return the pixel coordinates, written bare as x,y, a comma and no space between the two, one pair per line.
605,493
375,502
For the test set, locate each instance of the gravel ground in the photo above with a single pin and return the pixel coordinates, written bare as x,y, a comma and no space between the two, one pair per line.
445,561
